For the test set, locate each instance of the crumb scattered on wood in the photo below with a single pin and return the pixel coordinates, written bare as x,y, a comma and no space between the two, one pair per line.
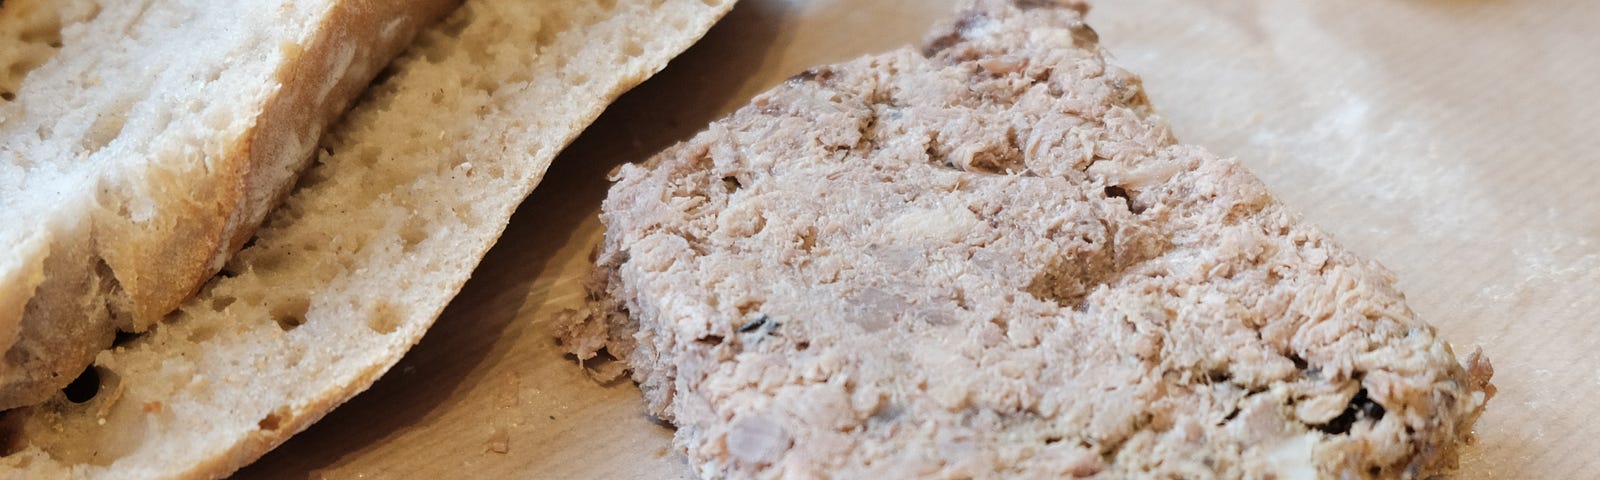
499,441
510,391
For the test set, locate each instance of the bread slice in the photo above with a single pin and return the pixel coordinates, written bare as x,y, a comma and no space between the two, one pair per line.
407,194
990,259
141,143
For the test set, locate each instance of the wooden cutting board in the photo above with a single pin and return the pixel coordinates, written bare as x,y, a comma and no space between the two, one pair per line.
1452,140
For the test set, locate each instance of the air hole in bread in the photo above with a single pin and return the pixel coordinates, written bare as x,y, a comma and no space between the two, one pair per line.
384,318
201,332
291,313
578,78
292,357
412,233
466,215
632,49
272,421
8,96
551,26
83,388
107,126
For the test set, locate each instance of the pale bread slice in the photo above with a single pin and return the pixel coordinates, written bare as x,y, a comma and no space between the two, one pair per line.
142,141
408,194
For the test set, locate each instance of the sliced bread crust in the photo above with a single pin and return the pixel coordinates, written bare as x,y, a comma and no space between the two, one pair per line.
990,259
145,151
409,192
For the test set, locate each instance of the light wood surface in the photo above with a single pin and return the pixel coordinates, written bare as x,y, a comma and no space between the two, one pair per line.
1453,140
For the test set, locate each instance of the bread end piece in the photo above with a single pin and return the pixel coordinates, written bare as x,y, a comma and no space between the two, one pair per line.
185,183
415,184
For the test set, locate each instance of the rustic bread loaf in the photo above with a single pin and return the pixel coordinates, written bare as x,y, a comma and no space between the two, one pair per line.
141,143
990,259
407,193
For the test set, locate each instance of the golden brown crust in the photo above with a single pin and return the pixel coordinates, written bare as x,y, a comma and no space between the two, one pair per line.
184,233
17,59
48,353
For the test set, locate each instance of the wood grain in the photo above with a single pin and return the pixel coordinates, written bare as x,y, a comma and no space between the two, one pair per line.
1452,141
